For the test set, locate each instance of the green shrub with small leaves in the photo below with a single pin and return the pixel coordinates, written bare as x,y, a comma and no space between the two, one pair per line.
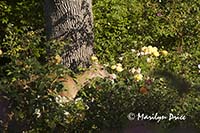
29,94
122,25
151,48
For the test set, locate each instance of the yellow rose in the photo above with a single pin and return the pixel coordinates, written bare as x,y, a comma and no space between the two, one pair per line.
164,52
154,49
156,53
138,77
150,49
145,50
58,59
119,69
94,58
1,52
113,67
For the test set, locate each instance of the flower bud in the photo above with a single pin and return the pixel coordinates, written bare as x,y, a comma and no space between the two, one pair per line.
164,52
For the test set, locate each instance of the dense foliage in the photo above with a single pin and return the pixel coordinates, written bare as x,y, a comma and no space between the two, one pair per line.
152,47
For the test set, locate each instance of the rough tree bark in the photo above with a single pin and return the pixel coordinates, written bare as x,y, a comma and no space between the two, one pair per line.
71,19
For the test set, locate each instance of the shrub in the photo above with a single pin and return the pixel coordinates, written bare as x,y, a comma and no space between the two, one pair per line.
152,47
122,25
29,96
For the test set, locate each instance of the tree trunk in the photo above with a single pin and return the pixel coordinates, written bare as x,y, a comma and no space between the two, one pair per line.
71,20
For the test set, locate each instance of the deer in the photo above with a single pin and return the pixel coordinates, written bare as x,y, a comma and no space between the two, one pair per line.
73,85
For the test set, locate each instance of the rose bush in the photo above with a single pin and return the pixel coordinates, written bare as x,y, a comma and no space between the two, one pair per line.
150,47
